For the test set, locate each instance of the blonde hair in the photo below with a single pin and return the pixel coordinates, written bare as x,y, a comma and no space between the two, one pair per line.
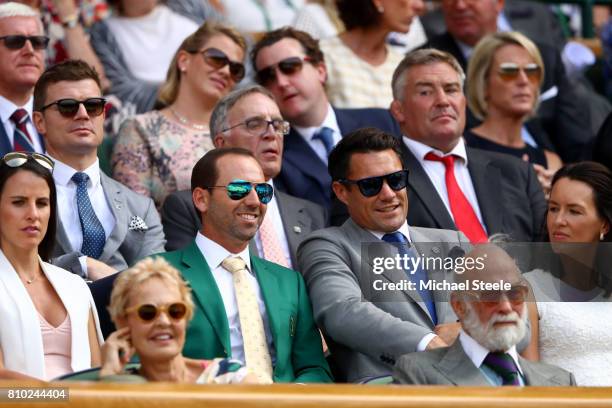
144,270
192,44
480,67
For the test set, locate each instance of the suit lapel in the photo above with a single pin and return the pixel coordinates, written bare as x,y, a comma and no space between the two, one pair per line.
459,369
118,205
205,290
62,238
301,155
294,221
421,187
346,123
486,185
272,296
533,376
5,144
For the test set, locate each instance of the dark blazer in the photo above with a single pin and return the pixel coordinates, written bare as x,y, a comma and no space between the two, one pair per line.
304,175
509,195
181,221
7,147
563,122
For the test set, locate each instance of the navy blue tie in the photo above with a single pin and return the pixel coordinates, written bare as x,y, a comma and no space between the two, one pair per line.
418,276
325,135
93,233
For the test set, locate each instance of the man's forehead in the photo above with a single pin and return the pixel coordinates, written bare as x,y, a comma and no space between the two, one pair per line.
285,48
436,73
74,89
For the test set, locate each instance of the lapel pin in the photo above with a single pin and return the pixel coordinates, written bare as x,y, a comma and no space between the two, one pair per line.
297,229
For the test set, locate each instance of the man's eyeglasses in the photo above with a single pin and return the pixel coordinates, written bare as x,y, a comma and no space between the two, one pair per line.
509,71
217,59
288,66
371,186
18,159
516,294
259,126
238,189
149,312
17,42
69,107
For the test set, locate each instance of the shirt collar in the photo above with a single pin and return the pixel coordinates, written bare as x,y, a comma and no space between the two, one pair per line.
403,229
7,108
477,353
62,173
330,121
420,150
215,253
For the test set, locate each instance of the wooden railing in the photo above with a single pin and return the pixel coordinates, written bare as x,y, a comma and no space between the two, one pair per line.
103,395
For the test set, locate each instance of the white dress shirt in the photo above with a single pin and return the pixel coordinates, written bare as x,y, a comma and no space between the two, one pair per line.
477,353
7,108
68,210
317,145
274,212
436,172
214,255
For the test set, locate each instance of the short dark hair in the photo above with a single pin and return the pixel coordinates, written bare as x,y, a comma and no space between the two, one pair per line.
309,44
358,13
205,173
362,140
45,248
70,70
599,178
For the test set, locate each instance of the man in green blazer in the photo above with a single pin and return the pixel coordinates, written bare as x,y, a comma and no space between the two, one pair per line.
230,193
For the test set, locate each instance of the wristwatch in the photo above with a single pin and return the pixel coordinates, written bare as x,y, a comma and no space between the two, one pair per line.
71,21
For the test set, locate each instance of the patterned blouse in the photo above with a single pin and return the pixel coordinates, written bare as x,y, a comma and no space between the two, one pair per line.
154,156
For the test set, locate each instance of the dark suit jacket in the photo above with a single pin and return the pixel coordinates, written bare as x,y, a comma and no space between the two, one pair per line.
5,144
304,175
181,221
563,121
299,354
510,198
452,366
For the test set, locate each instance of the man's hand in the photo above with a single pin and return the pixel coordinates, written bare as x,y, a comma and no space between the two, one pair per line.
98,270
448,332
544,177
435,343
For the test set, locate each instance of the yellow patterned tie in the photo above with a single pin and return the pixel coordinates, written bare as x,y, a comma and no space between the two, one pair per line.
256,353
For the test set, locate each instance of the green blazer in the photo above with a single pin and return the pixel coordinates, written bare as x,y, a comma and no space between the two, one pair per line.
299,355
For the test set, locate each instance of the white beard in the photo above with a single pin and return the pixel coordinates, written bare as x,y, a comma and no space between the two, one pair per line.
496,338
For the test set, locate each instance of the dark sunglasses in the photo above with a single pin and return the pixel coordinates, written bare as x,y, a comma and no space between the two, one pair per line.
18,159
217,59
371,186
259,126
288,66
149,312
69,107
516,294
509,71
16,42
238,189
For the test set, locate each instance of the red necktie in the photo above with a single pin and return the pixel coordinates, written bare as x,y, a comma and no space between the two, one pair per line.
22,142
463,213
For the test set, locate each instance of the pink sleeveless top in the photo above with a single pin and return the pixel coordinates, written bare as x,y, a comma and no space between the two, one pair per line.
57,344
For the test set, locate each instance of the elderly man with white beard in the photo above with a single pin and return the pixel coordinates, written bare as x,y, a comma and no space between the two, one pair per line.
493,322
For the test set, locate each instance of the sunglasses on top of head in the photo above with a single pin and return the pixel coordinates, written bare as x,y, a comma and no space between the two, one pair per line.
371,186
69,107
509,71
288,66
238,189
18,159
217,59
17,42
149,312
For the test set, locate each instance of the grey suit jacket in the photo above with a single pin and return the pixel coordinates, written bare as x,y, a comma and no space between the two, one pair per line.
124,246
451,366
181,221
367,332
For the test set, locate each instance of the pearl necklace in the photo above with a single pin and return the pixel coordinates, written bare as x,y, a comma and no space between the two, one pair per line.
186,121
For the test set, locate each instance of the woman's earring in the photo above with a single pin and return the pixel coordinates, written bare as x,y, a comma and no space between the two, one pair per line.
380,8
601,236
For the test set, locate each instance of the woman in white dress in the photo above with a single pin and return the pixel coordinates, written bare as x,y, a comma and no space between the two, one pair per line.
571,323
48,320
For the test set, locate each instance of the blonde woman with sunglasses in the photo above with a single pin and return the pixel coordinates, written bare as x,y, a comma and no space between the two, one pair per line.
49,325
151,306
155,152
504,78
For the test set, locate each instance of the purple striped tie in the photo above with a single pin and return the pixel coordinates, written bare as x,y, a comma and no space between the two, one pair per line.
22,142
503,364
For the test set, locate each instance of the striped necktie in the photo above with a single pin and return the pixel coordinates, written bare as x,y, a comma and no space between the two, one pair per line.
22,142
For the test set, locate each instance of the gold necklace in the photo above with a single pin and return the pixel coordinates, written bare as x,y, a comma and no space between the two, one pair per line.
29,281
186,121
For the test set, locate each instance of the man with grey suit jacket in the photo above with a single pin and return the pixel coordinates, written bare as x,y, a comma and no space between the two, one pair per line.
104,227
367,329
493,322
250,118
